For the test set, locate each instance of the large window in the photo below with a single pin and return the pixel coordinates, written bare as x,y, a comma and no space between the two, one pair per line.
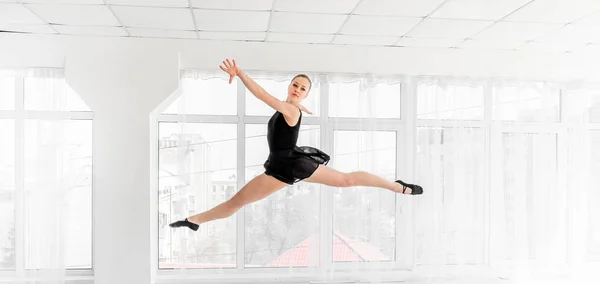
283,227
197,172
526,199
593,233
375,100
508,172
7,194
201,165
364,218
45,173
447,101
211,96
526,103
7,92
451,166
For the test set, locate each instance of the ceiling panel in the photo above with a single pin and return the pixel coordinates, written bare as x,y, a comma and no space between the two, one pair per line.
378,25
260,5
246,36
364,40
299,38
80,2
17,14
493,44
27,28
530,24
593,19
316,6
154,17
213,20
441,28
590,48
99,31
151,3
561,47
156,33
407,8
428,42
512,31
555,11
306,23
478,9
76,15
575,34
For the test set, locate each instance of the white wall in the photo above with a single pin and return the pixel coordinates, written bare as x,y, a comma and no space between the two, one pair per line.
123,80
122,86
28,50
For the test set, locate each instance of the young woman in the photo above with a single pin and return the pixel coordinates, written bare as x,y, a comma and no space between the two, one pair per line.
288,163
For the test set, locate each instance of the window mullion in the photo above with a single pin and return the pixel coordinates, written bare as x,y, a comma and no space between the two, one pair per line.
19,200
241,177
405,167
487,122
326,196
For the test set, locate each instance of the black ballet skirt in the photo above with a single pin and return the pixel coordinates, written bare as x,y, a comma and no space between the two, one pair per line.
287,161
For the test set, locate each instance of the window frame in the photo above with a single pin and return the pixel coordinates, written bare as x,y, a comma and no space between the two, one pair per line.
327,126
405,127
20,115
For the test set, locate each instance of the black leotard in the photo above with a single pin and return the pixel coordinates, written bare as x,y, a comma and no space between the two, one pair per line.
288,162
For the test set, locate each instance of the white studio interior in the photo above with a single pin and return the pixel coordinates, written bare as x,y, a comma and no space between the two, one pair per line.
116,120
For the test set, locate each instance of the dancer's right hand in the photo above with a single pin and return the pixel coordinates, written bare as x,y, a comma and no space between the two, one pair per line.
231,69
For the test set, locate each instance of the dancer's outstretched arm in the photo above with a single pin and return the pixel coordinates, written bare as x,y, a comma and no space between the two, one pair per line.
233,70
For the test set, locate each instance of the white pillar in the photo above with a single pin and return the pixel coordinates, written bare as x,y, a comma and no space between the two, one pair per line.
122,85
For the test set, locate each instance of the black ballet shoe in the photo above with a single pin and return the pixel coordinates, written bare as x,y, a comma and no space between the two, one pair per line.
185,223
416,189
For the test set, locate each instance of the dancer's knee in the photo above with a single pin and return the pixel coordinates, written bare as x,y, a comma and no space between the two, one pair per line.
346,180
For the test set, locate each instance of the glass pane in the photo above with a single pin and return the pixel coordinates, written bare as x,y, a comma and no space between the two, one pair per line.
450,102
7,93
594,108
594,199
205,96
51,94
278,89
282,230
197,171
364,218
451,226
58,192
7,194
379,101
527,212
526,103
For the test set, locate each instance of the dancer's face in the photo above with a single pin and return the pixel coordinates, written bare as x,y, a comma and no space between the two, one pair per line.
298,90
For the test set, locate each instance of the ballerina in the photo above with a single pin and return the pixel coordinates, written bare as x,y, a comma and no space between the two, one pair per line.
287,162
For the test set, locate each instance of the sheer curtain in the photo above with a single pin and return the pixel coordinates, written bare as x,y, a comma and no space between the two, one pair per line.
47,184
507,168
364,133
52,155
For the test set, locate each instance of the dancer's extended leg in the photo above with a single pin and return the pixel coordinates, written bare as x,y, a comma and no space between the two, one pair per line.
258,188
332,177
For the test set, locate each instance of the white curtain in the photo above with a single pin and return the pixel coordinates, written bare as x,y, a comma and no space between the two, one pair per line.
57,179
506,167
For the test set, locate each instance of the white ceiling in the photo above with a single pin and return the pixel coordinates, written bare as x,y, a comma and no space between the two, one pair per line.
554,25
